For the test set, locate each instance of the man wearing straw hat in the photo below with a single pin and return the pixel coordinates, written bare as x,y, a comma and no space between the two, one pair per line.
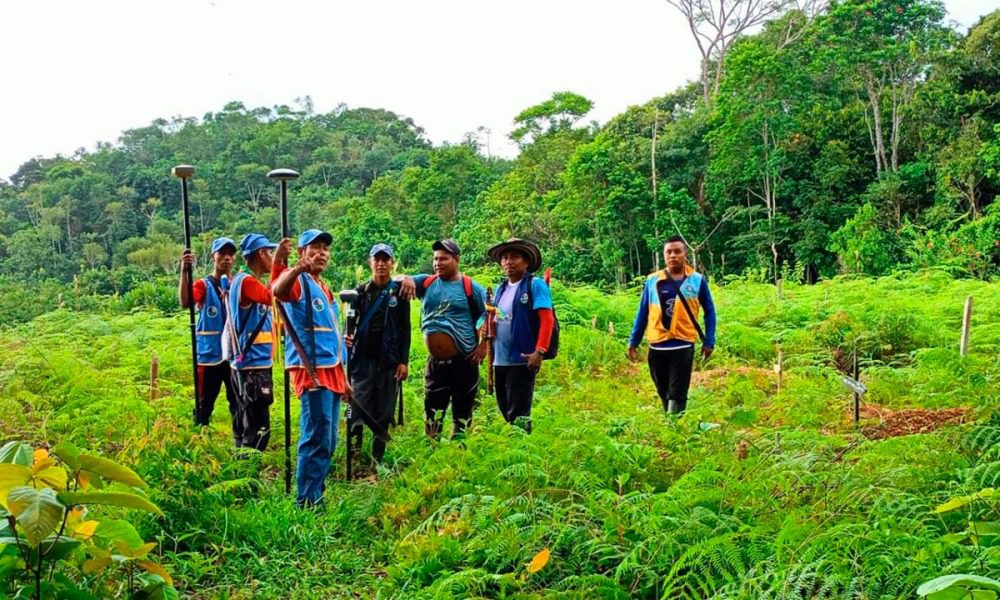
524,325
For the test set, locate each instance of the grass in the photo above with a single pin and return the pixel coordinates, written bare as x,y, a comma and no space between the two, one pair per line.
783,500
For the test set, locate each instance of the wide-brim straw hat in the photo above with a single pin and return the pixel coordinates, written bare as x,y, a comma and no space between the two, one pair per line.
528,249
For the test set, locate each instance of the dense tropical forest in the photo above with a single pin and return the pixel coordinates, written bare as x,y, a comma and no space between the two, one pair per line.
861,140
834,169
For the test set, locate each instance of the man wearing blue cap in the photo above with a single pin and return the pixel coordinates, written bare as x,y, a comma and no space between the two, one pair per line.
380,347
213,369
315,356
251,343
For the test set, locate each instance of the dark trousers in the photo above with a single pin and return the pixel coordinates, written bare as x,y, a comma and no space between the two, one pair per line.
211,378
255,401
454,382
671,372
375,389
515,388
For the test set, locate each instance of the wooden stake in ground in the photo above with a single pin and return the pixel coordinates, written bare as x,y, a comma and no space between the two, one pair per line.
154,378
779,368
857,394
966,327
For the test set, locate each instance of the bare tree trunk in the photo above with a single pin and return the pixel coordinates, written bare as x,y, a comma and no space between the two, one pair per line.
874,98
652,170
717,24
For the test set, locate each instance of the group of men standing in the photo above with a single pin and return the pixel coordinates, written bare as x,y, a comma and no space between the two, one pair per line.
365,367
327,366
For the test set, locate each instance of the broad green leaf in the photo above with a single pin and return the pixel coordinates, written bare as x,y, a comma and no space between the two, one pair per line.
953,504
53,477
155,569
94,565
117,530
38,512
133,553
12,476
964,583
68,453
110,470
157,591
985,528
962,501
954,593
17,453
122,499
58,548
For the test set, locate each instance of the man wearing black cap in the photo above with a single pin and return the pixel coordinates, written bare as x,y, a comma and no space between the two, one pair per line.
449,316
524,325
251,343
213,369
380,348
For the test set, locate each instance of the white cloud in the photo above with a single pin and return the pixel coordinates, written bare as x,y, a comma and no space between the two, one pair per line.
77,73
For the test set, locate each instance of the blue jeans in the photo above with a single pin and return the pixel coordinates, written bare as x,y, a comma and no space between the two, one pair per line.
317,441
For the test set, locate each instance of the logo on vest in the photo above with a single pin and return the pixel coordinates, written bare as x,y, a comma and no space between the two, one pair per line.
393,301
261,309
318,305
212,312
524,298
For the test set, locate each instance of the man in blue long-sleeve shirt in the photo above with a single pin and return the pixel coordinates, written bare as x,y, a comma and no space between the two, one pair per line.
670,328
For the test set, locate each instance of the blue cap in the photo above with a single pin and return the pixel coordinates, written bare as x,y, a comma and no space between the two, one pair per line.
311,235
222,242
382,249
253,242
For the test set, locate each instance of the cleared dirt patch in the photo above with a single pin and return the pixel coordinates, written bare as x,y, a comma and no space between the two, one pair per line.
879,422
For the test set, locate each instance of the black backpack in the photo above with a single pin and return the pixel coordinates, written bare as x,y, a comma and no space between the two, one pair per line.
553,350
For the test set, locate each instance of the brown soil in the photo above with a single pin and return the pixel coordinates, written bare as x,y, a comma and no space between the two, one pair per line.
879,422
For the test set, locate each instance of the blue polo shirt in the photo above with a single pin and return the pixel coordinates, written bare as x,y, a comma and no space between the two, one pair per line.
445,309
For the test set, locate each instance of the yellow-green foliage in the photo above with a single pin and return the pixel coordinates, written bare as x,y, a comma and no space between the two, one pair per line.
784,499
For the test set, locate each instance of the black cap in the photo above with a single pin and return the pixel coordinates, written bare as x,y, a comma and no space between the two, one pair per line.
449,245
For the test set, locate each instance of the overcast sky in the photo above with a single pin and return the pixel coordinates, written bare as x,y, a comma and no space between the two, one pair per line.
76,73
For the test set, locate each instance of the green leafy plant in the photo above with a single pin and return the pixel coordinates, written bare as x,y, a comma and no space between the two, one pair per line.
48,536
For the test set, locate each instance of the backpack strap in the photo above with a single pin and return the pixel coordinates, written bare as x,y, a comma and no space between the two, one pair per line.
474,311
430,279
310,322
371,310
687,308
